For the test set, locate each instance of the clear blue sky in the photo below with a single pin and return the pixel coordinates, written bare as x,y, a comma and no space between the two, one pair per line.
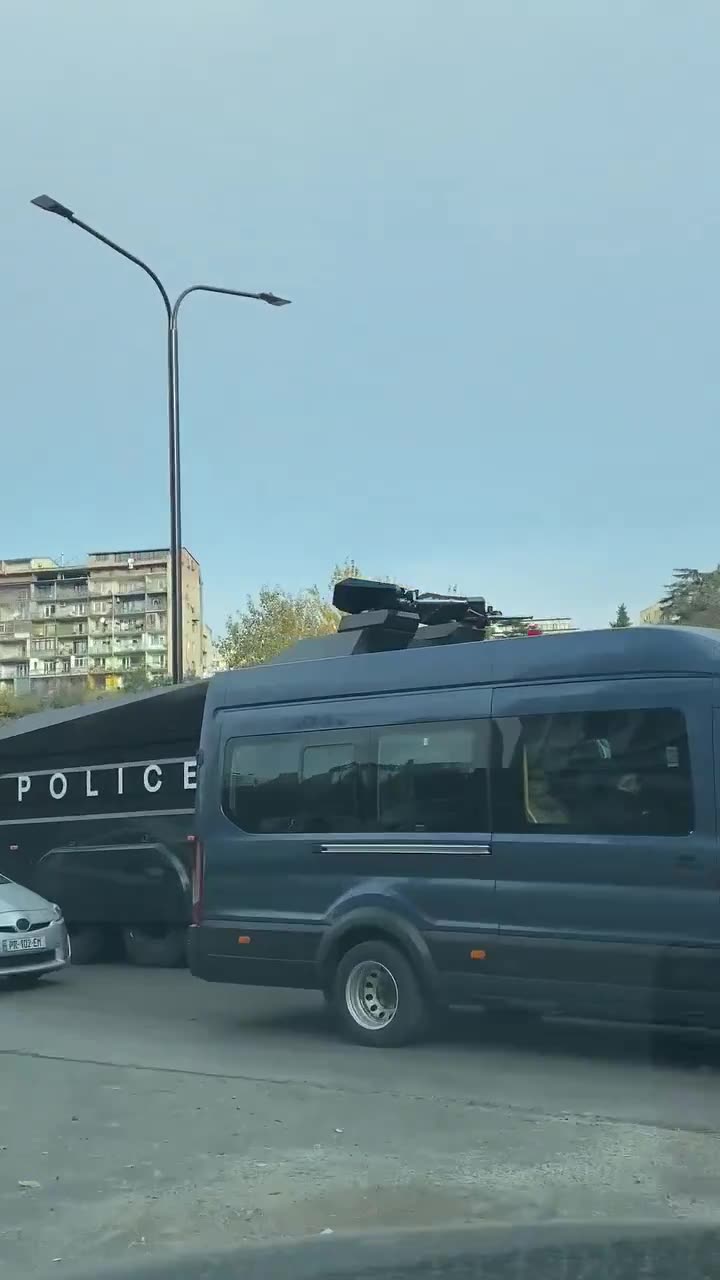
499,224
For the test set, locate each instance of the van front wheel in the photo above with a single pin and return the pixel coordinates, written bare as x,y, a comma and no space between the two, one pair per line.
377,999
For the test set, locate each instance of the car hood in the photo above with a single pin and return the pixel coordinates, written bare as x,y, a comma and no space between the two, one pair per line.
15,897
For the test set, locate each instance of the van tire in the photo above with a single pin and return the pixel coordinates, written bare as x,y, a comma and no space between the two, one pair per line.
377,999
149,950
88,944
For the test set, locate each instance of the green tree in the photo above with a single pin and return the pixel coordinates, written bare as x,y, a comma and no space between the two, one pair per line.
10,705
693,598
349,569
69,693
622,618
344,569
276,618
138,680
272,621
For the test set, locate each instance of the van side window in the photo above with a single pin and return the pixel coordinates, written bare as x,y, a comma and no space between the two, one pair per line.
283,783
432,777
329,787
598,772
419,777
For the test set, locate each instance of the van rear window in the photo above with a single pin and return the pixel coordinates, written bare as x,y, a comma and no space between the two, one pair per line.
594,773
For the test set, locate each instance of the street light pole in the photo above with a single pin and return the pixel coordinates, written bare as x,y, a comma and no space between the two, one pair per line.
174,401
49,205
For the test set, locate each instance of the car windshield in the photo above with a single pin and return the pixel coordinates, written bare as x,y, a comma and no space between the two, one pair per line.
359,626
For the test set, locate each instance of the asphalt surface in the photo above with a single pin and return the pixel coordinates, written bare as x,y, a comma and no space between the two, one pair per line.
147,1111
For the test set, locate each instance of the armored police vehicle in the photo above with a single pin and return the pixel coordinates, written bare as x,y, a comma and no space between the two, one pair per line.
96,813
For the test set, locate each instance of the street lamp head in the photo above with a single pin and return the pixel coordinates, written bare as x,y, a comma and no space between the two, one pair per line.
273,300
52,206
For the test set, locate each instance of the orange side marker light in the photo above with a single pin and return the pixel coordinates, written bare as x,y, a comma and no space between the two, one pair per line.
478,955
243,939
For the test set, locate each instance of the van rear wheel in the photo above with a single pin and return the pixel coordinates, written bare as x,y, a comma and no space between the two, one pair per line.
377,999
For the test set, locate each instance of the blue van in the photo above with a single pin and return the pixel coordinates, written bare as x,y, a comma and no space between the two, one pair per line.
428,821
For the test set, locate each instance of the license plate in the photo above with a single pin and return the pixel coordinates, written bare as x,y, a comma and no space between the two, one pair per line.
36,943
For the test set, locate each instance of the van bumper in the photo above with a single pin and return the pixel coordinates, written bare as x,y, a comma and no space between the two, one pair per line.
273,957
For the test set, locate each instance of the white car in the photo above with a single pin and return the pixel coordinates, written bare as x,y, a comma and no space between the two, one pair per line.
33,937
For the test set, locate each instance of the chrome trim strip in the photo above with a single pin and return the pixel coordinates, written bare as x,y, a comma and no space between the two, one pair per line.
401,847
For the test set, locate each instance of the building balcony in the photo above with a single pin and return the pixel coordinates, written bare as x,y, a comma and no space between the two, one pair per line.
71,648
107,663
70,626
43,612
100,650
115,662
16,621
103,559
58,671
129,625
78,609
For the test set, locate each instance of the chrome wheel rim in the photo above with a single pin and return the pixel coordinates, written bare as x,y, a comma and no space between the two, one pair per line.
371,995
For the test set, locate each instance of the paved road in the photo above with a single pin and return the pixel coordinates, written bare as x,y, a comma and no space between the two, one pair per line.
155,1111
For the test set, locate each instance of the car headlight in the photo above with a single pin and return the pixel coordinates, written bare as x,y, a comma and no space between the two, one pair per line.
57,911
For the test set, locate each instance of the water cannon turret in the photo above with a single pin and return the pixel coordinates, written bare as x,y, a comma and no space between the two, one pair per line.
378,616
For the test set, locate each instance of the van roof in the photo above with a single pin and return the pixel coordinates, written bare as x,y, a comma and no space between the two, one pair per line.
649,650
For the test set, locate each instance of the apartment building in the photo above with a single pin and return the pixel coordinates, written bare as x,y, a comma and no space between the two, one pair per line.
211,661
105,621
547,626
653,613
